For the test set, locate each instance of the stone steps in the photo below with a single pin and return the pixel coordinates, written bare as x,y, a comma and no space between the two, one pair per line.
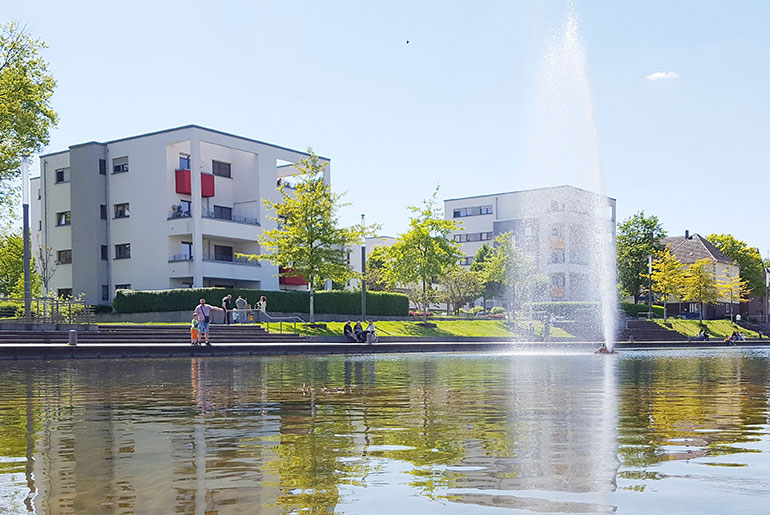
648,331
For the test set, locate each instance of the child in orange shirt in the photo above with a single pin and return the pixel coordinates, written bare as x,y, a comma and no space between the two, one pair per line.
194,337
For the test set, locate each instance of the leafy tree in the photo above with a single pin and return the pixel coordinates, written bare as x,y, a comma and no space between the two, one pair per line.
12,265
26,115
513,269
375,270
638,237
748,258
667,277
490,288
307,241
733,287
424,251
46,265
699,284
461,286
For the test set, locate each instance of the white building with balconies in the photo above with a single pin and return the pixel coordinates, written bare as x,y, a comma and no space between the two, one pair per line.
168,209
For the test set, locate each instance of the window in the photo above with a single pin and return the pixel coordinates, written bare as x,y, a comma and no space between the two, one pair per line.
64,293
186,207
62,175
39,225
220,168
63,218
558,280
123,251
486,210
486,236
184,162
102,167
122,287
467,260
105,253
187,250
472,211
120,164
105,292
225,213
458,238
103,211
222,253
38,194
557,256
121,210
64,257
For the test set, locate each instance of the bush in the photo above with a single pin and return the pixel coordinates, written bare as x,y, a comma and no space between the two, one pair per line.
568,309
419,314
102,308
326,302
475,310
497,310
634,310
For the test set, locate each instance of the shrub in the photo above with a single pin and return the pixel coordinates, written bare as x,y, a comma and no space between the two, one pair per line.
568,309
475,310
102,308
326,302
497,310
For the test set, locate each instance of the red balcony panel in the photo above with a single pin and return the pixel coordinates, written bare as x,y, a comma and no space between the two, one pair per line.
183,184
207,185
293,281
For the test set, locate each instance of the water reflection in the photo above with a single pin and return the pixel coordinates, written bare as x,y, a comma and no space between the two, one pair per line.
553,433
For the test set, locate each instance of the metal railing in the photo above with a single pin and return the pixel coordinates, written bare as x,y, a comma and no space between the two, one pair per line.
280,321
238,260
232,218
181,257
47,310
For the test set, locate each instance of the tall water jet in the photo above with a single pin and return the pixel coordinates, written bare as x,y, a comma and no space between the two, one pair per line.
565,151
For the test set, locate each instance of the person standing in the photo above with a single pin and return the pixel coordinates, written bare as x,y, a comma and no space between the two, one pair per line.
203,313
195,338
227,305
262,307
240,305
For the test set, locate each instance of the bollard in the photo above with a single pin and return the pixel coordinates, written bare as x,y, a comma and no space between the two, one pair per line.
368,338
73,341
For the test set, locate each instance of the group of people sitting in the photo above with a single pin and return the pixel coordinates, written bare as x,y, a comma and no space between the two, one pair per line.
703,335
737,336
359,335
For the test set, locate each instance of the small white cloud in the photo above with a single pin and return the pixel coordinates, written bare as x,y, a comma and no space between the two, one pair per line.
662,75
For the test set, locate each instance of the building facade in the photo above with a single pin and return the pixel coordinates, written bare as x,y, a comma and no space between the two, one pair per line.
560,228
169,209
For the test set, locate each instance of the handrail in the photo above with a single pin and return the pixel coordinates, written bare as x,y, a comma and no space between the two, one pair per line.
281,320
46,310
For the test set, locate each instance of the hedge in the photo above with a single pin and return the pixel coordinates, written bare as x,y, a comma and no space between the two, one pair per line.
567,309
326,302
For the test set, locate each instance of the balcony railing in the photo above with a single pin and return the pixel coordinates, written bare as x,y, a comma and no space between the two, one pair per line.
237,260
180,257
232,218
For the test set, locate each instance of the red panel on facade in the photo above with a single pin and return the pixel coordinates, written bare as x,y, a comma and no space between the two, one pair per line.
294,281
207,185
183,184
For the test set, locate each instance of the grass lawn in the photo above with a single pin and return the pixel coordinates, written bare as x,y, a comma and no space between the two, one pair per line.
444,328
716,328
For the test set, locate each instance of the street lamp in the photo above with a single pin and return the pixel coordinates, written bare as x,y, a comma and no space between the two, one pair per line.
649,290
25,217
767,292
363,270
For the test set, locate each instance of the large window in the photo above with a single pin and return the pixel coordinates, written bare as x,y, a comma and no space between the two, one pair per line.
184,161
120,164
222,212
102,167
103,211
472,211
223,253
62,175
105,253
121,210
122,251
64,257
64,293
63,218
220,168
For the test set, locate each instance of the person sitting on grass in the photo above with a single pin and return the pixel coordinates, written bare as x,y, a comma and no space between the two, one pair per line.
359,332
348,332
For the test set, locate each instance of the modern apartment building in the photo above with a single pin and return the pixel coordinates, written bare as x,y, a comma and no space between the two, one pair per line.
168,209
560,228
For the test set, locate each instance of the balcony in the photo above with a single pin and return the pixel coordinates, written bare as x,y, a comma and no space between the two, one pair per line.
287,280
231,259
183,183
231,218
180,257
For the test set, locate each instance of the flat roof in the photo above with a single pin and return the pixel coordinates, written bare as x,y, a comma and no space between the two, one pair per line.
524,191
190,126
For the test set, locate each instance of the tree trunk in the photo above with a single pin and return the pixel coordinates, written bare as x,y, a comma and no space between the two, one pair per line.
665,312
424,302
312,307
701,313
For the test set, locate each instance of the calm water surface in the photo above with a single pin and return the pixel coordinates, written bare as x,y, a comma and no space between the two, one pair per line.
640,432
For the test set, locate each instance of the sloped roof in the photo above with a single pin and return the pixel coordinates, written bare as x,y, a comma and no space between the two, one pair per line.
689,250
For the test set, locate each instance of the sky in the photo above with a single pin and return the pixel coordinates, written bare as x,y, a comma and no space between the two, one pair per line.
405,96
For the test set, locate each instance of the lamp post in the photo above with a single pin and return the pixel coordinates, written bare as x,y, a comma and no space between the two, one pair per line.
767,292
363,271
649,290
25,217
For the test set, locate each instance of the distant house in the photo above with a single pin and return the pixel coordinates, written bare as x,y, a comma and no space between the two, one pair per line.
691,248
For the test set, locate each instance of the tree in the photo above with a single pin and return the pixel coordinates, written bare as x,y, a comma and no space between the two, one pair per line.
26,86
375,269
307,241
733,287
748,258
667,277
638,237
699,284
424,251
12,264
461,286
46,265
490,288
513,269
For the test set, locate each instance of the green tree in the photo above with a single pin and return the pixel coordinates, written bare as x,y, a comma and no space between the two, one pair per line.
733,287
513,269
308,241
667,277
12,265
26,115
748,258
700,285
638,237
424,251
375,269
460,286
490,288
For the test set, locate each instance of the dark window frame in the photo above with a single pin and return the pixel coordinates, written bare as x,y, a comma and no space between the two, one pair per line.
63,218
122,251
105,253
219,255
223,212
103,211
121,210
221,169
118,166
64,257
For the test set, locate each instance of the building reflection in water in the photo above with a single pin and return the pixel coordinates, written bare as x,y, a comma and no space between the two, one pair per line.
202,436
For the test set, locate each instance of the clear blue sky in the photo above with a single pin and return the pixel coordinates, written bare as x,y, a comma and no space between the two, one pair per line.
453,107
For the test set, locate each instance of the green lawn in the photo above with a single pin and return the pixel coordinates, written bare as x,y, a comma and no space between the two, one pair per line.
716,328
444,328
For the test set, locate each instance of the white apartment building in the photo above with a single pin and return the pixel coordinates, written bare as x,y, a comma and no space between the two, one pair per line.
168,209
556,226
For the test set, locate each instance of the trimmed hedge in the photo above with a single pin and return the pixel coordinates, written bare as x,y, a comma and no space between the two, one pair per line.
568,309
326,302
634,310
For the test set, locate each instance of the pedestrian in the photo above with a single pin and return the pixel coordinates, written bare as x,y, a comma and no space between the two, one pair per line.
262,308
203,311
240,304
227,306
194,336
